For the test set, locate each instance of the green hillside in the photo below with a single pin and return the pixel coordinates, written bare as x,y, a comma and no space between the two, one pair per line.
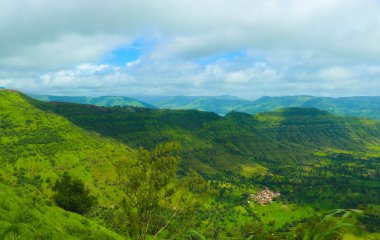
25,217
36,147
98,101
266,147
241,135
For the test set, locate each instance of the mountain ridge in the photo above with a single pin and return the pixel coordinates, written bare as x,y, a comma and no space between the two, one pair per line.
361,106
102,101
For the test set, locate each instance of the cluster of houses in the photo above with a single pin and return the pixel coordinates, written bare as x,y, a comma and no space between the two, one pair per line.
263,197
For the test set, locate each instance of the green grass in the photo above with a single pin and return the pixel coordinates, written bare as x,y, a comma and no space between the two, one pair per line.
279,213
36,145
35,148
22,217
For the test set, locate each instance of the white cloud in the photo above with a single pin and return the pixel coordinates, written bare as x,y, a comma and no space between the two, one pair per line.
335,73
294,46
87,29
240,78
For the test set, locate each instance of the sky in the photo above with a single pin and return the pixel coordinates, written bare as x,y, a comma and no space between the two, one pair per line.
244,48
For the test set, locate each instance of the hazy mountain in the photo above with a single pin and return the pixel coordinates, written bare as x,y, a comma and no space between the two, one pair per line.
349,106
222,105
98,101
217,104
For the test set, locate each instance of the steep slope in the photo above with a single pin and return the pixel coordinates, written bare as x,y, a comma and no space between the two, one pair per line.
24,217
349,106
35,148
98,101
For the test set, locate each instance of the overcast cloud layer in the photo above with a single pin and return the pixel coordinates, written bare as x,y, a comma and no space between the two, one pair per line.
246,48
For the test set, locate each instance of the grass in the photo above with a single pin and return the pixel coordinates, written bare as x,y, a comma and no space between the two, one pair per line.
279,213
22,217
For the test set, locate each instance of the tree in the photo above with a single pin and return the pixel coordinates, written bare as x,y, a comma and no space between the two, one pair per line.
72,195
154,194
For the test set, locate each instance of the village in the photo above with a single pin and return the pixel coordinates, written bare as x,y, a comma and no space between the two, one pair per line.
263,197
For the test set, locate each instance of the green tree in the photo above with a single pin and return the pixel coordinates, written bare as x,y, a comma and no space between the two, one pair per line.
72,195
154,194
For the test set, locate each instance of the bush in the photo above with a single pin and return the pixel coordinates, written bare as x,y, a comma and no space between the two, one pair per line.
72,195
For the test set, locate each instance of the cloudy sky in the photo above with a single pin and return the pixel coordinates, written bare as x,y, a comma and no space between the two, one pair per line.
246,48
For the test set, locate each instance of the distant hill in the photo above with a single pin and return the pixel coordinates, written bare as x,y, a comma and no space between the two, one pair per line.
347,106
98,101
218,104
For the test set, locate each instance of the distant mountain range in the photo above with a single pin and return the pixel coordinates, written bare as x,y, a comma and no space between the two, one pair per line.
350,106
347,106
103,101
217,104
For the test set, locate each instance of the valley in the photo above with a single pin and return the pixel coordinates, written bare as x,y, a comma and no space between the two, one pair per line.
317,161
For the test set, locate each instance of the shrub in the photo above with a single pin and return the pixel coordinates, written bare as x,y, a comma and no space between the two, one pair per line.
72,195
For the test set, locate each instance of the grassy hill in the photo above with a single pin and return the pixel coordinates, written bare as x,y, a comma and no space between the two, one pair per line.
98,101
35,148
24,217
